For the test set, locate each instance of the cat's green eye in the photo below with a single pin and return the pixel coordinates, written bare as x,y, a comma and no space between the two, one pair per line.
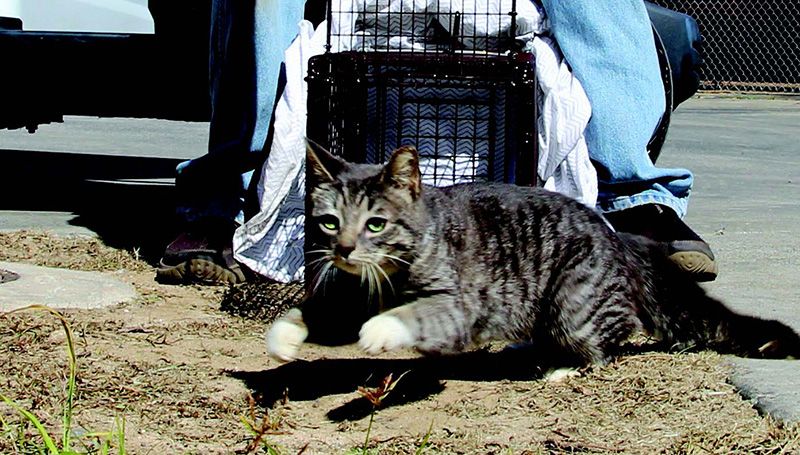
329,222
376,225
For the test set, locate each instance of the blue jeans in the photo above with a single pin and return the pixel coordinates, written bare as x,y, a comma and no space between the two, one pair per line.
609,45
248,38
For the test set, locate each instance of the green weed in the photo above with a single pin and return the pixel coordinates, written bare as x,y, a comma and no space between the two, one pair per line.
93,442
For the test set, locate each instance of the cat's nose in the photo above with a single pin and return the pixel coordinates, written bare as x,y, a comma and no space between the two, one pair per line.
344,250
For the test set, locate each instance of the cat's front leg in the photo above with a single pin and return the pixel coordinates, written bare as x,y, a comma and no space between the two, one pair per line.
286,335
433,326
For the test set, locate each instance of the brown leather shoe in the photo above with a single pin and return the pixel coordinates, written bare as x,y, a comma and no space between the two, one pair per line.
201,255
660,223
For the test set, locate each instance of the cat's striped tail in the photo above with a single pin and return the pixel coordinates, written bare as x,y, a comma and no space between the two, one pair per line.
683,316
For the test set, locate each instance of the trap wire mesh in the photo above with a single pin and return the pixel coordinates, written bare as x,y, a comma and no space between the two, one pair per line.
445,76
468,26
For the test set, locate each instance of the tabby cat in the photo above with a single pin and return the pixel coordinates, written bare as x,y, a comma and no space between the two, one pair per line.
451,268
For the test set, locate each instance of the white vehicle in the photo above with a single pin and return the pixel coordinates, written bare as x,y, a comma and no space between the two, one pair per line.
99,16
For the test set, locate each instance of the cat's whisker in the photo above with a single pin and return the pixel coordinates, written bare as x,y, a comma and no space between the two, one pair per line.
385,275
379,286
375,283
372,280
318,260
324,254
321,276
326,251
333,272
394,258
316,280
327,256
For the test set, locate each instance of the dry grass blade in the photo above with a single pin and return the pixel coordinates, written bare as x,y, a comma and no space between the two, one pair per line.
73,252
376,395
267,426
566,443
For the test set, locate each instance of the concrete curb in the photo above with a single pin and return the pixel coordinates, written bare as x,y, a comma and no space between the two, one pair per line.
772,385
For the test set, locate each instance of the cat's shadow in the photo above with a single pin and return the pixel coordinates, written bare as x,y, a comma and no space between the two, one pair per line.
422,377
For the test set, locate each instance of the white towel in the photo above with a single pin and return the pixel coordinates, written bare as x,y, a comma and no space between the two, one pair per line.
564,112
271,243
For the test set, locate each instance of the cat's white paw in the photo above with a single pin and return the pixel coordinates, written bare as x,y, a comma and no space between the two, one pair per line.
561,374
285,337
384,333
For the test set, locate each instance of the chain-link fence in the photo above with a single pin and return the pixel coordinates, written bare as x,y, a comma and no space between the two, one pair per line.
750,45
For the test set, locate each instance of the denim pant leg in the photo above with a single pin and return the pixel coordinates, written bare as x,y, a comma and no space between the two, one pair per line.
609,45
248,38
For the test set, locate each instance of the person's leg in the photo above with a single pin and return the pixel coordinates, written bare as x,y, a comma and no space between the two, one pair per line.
610,47
246,50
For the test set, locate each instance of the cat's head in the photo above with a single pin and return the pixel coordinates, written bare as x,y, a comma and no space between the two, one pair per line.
363,217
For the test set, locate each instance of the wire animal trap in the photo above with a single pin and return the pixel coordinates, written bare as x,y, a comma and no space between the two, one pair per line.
443,75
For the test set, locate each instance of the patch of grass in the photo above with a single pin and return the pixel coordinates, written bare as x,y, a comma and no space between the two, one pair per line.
161,360
19,437
640,404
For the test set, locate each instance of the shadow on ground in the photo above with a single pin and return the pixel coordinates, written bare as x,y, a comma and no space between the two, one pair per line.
421,377
126,200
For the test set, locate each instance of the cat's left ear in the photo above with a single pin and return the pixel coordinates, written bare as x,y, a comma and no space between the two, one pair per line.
402,170
322,166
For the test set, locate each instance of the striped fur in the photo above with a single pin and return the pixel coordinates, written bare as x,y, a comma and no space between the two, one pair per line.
463,265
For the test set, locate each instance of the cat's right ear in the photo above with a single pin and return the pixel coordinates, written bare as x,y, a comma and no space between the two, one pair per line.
321,166
402,170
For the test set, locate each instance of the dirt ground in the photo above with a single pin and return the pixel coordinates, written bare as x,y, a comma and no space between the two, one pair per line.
181,372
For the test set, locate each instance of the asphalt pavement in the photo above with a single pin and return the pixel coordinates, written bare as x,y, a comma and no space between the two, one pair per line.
745,154
108,177
112,178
